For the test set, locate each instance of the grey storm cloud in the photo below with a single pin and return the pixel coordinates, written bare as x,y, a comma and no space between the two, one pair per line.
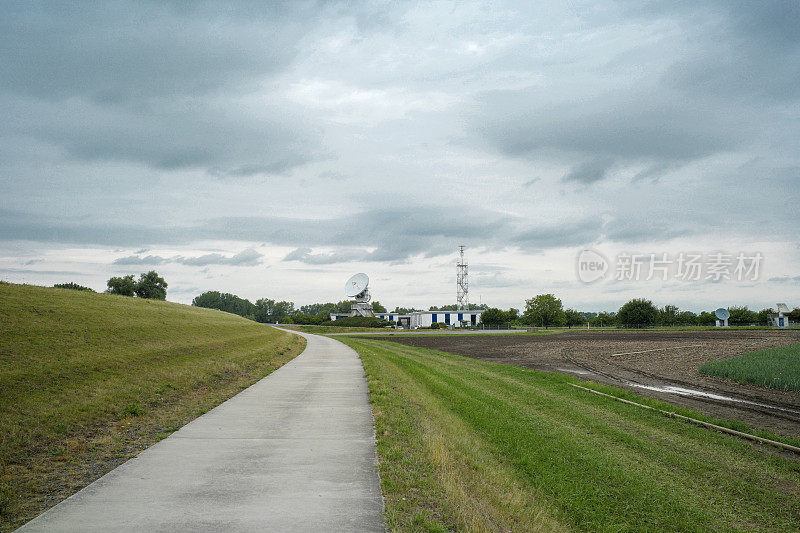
785,279
346,132
141,260
651,125
726,90
568,233
171,88
304,255
590,171
751,50
48,272
381,235
247,257
121,52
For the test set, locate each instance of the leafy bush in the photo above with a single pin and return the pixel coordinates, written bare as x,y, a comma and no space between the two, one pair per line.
358,322
73,286
306,319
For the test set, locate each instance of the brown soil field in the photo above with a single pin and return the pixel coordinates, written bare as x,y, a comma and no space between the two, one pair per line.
666,366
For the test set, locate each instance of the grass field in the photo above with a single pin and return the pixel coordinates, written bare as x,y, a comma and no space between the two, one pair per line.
88,380
777,368
476,446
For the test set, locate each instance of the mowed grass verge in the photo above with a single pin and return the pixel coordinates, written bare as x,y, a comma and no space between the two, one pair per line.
476,446
777,368
89,380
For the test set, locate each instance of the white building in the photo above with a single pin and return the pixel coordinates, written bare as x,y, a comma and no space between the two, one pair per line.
424,319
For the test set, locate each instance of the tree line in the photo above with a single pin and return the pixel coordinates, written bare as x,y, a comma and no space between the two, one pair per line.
545,310
267,310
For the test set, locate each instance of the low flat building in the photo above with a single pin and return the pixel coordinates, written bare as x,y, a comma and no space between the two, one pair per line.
424,319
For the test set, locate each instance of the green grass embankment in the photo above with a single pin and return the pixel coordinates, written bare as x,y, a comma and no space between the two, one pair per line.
777,368
88,380
473,446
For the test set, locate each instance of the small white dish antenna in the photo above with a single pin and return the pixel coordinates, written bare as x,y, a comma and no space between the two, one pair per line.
722,313
783,308
356,284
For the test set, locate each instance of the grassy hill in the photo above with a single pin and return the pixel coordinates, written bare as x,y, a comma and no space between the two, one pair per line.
466,445
88,380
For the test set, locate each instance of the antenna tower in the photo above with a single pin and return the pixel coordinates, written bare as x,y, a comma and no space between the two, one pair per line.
462,284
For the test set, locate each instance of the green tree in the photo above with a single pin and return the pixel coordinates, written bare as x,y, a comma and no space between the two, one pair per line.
494,317
637,313
706,318
602,319
151,286
267,310
794,316
686,318
125,285
230,303
344,306
763,316
512,315
574,318
742,316
668,315
304,318
404,310
544,310
377,307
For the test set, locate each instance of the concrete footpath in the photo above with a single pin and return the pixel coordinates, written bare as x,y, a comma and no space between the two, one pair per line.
294,452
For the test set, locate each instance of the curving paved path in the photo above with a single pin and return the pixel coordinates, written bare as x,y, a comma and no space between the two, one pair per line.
294,452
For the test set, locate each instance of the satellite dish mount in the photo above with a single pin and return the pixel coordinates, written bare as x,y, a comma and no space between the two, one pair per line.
357,287
722,315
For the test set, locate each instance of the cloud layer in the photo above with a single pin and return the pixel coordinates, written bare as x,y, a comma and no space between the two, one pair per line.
332,135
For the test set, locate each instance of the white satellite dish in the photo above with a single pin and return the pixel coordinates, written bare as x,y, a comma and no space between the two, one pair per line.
722,313
783,308
356,285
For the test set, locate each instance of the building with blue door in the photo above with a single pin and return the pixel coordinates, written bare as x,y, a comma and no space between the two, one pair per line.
424,319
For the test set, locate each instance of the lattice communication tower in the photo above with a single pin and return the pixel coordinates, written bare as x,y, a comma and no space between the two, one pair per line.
462,283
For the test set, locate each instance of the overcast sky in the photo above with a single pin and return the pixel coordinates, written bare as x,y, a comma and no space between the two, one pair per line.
274,151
